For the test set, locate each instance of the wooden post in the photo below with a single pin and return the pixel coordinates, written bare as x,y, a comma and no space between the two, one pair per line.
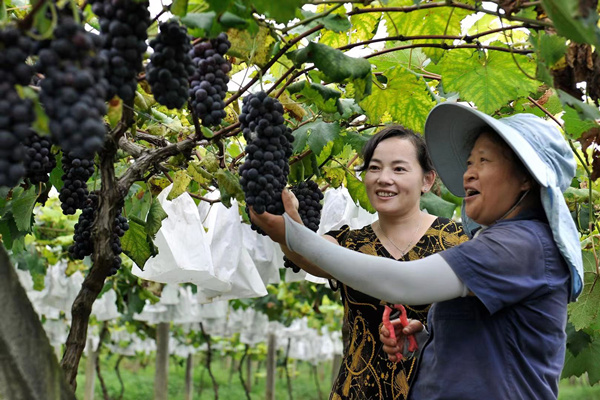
161,377
189,377
90,371
271,366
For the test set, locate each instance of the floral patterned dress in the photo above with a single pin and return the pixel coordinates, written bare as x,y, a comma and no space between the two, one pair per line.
365,372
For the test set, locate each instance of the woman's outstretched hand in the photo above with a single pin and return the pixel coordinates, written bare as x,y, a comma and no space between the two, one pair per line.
274,225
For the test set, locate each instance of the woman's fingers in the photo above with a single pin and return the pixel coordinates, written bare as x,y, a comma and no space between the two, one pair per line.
414,326
272,225
290,204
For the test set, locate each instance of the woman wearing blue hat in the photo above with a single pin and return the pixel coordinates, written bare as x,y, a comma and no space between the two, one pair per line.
497,328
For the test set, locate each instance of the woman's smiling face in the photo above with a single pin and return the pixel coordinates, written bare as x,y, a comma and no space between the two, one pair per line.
394,179
492,182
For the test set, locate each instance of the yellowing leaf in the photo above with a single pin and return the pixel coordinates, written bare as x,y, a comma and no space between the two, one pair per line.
489,80
405,98
426,22
333,39
253,48
364,26
181,181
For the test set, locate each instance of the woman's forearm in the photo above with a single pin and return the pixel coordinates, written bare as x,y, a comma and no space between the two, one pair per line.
304,263
428,280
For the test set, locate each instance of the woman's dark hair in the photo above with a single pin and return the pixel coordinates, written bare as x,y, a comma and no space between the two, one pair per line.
403,133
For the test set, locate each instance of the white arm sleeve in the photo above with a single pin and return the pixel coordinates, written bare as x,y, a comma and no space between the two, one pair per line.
423,281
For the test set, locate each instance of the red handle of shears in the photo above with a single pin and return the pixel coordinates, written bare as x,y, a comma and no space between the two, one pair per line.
412,342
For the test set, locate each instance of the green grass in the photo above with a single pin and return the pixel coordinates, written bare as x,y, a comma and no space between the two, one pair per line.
139,380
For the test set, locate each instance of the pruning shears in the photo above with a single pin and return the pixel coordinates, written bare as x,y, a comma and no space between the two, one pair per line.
412,342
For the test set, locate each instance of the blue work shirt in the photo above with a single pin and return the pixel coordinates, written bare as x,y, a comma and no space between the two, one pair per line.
508,341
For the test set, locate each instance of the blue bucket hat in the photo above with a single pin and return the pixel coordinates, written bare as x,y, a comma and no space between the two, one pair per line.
449,130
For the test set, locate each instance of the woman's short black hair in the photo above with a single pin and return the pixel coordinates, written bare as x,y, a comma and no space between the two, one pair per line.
403,133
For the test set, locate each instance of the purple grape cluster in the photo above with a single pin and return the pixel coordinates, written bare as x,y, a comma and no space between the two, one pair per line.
309,207
170,65
39,160
74,88
16,116
15,47
74,193
123,27
82,239
263,175
208,84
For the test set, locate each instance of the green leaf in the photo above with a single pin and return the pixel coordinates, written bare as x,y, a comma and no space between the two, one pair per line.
574,125
22,208
584,312
155,216
408,58
2,11
348,108
356,140
336,66
426,22
56,174
489,80
229,186
253,48
570,22
325,98
404,100
281,10
12,237
435,205
200,23
335,22
136,244
585,111
577,340
181,180
300,140
179,7
319,134
358,192
230,20
588,360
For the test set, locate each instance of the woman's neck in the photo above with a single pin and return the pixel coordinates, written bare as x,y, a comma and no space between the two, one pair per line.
395,223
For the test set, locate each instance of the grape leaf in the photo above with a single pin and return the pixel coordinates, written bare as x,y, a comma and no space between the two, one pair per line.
426,22
231,20
218,6
569,22
300,140
364,26
280,11
335,22
326,99
574,125
155,216
584,110
179,7
358,192
136,243
334,40
319,134
253,48
405,99
408,58
490,80
181,180
437,206
22,208
588,360
336,66
229,187
199,23
584,312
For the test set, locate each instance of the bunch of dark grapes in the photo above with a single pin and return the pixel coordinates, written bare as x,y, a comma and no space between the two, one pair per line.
74,193
265,170
121,226
15,47
16,116
170,65
74,88
39,160
208,84
309,207
82,239
123,27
